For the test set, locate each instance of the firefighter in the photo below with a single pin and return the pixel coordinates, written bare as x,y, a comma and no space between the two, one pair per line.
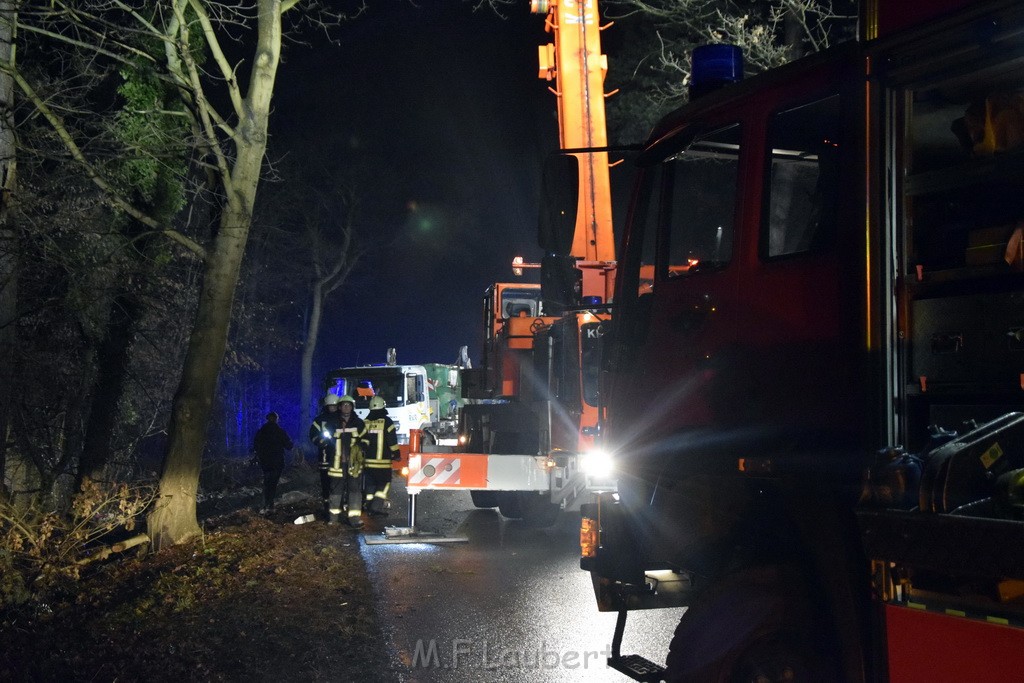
321,434
381,448
347,465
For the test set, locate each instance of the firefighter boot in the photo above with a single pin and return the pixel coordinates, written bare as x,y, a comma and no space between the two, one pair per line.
379,509
353,519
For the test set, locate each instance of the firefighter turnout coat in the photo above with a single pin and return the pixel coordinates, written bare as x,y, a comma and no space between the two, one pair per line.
381,447
349,453
381,440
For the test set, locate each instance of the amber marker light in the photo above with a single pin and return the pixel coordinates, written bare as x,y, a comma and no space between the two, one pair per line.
588,537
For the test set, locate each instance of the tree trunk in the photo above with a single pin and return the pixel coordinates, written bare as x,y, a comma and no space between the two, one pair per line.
173,519
306,397
8,240
112,359
114,354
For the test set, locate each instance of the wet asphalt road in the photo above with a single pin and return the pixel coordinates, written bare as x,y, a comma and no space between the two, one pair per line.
509,605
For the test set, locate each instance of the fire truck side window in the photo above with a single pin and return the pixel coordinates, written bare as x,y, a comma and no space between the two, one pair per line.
646,234
802,178
702,207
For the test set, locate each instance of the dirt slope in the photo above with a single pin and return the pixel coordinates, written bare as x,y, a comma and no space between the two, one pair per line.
256,599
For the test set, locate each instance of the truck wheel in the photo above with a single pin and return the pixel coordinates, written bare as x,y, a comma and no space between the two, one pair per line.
756,625
509,504
484,499
538,510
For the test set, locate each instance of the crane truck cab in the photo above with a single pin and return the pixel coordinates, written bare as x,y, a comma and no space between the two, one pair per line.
817,422
513,312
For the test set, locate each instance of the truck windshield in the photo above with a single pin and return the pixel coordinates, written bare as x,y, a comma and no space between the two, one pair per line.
362,384
516,302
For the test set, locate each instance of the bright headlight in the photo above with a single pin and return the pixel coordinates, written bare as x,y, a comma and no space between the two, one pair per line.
597,464
327,434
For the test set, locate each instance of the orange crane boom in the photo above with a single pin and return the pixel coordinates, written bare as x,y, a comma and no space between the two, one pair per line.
574,61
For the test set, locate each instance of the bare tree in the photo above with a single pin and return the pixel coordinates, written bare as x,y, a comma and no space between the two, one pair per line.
173,519
168,36
311,216
328,225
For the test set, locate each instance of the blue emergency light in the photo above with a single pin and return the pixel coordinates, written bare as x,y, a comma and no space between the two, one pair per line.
714,66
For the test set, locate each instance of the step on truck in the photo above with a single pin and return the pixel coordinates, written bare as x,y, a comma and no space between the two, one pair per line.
818,425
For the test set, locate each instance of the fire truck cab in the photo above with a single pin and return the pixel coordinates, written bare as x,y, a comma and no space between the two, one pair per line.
814,406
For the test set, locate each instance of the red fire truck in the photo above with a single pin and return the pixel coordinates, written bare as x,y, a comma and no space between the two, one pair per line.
818,425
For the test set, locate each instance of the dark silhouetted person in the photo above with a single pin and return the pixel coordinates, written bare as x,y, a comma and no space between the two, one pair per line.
269,445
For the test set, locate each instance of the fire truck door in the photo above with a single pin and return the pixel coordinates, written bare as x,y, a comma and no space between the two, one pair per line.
695,291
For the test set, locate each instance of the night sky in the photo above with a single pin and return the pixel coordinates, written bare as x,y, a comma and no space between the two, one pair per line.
445,114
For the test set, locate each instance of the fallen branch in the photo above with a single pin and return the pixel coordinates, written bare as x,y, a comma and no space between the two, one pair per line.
120,547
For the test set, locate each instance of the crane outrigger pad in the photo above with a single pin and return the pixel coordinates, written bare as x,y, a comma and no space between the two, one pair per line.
406,534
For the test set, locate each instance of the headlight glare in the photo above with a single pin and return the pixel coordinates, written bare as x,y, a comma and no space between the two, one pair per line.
597,464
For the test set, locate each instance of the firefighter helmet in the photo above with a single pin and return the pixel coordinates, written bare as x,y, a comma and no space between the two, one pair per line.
347,399
331,400
377,402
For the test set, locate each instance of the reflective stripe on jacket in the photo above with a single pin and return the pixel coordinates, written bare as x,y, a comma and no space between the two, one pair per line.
381,439
348,449
329,423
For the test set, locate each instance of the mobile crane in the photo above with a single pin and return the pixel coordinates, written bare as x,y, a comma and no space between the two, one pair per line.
817,428
532,429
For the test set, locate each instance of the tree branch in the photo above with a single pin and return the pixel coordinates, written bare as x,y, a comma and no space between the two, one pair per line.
76,153
87,46
218,56
206,111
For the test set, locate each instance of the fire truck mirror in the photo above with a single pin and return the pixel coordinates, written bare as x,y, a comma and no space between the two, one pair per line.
560,283
559,198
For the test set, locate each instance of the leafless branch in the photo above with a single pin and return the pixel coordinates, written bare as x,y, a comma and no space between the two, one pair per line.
94,175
